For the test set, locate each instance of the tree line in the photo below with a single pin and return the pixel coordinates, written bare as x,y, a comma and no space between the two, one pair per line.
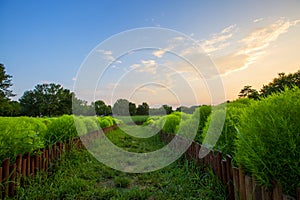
54,100
277,85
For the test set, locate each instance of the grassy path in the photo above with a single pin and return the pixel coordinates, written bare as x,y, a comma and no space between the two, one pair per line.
81,176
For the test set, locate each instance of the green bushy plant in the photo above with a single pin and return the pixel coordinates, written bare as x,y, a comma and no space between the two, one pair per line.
269,142
90,123
64,128
20,135
202,112
227,138
188,127
171,122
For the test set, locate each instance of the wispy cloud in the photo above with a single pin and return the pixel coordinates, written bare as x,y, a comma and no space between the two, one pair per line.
145,66
107,55
133,66
159,53
258,20
253,46
219,41
148,66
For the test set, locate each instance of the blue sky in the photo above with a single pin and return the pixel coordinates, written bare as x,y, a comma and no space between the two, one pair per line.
47,41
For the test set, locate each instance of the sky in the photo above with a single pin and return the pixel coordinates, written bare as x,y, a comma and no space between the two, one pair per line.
202,52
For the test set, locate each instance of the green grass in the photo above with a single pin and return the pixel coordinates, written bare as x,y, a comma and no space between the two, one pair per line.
136,139
131,119
81,176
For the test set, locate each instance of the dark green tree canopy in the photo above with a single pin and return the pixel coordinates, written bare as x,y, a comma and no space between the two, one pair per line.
278,84
7,107
249,92
132,108
121,107
47,100
143,109
102,109
168,109
188,110
5,84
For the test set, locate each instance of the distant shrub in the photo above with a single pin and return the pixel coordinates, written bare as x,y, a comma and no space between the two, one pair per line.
269,142
64,128
188,126
90,123
203,112
106,121
171,121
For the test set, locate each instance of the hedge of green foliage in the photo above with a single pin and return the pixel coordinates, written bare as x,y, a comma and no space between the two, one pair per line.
168,123
204,112
227,138
107,121
64,128
25,134
268,144
21,134
91,123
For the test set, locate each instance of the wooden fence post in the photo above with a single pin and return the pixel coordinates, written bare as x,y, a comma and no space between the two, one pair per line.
248,188
219,164
229,177
242,184
24,171
298,194
266,195
32,163
36,163
27,157
12,179
277,191
236,182
257,195
54,154
224,175
44,159
5,166
47,160
197,148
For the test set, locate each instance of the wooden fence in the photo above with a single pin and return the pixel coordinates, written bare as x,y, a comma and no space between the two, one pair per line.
29,164
238,185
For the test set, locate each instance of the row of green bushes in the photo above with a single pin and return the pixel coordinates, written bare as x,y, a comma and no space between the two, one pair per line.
262,136
25,134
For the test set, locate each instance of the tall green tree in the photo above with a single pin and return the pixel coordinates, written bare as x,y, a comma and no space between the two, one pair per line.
121,107
6,106
249,92
278,84
101,108
143,109
46,100
168,109
82,107
132,108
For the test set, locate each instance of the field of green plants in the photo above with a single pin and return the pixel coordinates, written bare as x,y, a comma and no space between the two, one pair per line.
81,176
25,134
261,136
